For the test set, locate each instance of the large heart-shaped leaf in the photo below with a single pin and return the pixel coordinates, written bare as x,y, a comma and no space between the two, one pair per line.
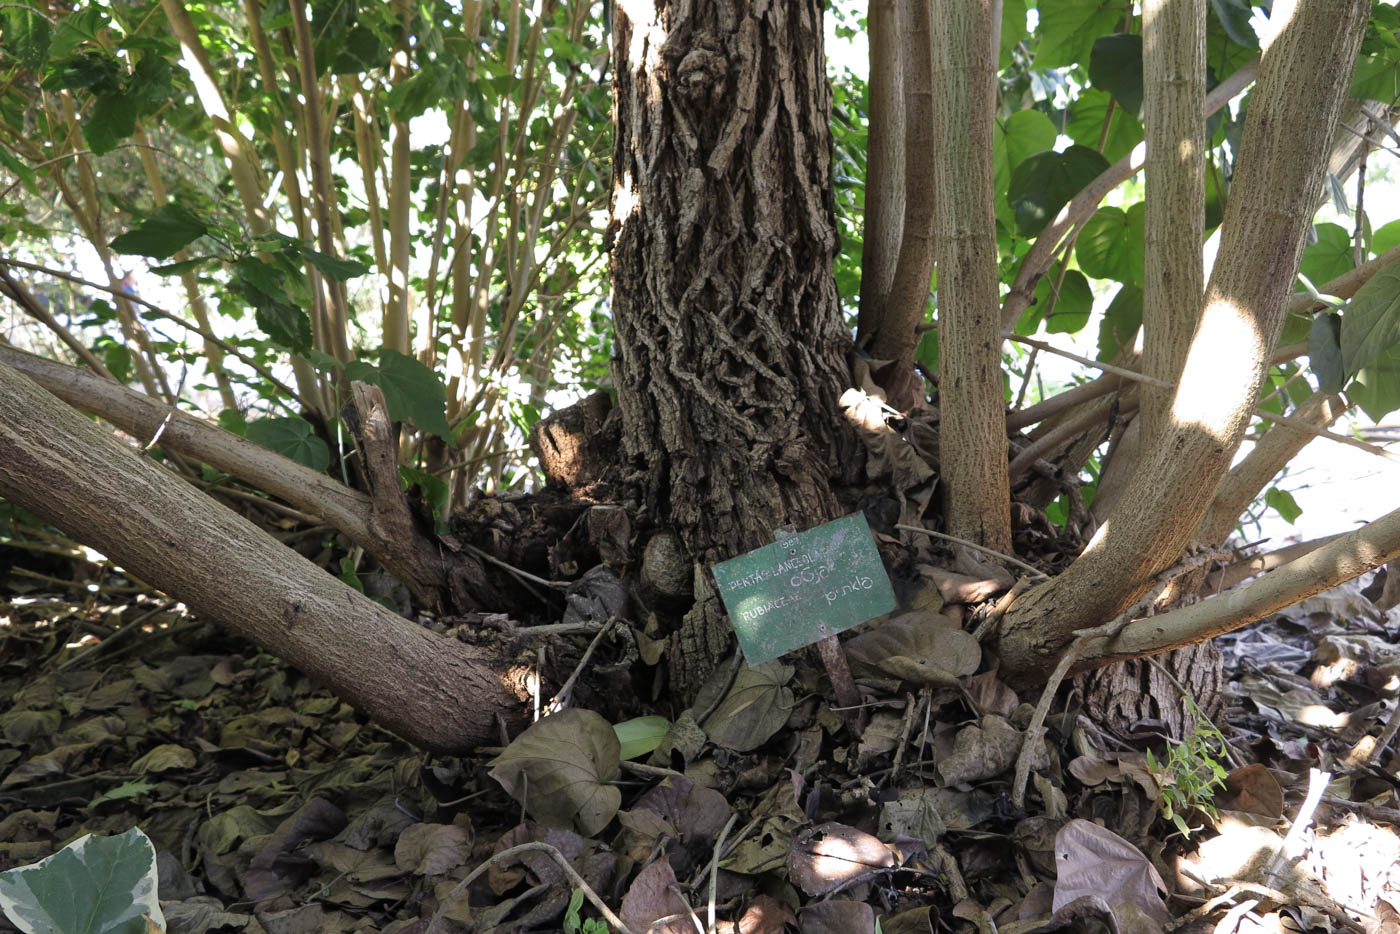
291,437
1043,183
164,233
95,884
559,769
1371,320
412,392
756,707
919,647
1115,66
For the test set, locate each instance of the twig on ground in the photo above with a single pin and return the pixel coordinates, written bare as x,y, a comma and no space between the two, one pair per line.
111,642
714,867
1292,847
523,575
560,699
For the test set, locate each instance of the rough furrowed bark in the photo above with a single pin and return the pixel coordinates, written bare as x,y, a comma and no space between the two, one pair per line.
730,340
436,692
972,432
1283,154
730,344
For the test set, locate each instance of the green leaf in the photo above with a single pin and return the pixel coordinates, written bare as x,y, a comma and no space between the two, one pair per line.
123,791
1234,16
412,392
285,324
1115,66
182,267
1283,503
1371,320
1376,389
115,357
1111,244
233,421
77,28
291,437
363,51
425,89
1013,28
432,487
25,34
333,267
1018,137
1046,181
1386,237
95,884
111,120
1086,122
1121,320
1064,311
23,172
1325,352
85,70
263,285
348,575
1068,29
640,735
1377,77
1330,256
164,233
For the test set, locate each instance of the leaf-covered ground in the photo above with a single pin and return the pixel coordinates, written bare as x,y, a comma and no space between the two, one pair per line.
274,807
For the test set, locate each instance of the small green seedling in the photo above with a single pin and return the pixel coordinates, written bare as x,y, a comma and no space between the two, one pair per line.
575,925
1191,774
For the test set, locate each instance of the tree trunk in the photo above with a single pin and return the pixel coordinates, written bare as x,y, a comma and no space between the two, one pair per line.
439,693
1287,135
972,431
730,342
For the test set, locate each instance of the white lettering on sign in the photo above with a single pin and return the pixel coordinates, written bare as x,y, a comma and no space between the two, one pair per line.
806,568
777,603
855,584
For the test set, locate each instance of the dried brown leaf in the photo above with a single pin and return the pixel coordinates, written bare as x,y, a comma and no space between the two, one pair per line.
829,855
756,707
1095,861
652,896
559,769
917,647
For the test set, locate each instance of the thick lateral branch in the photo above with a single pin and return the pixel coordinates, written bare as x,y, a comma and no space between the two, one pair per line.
141,416
1334,563
1233,574
411,559
437,692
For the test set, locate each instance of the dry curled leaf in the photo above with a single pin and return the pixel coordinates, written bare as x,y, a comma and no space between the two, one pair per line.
1095,861
826,857
917,647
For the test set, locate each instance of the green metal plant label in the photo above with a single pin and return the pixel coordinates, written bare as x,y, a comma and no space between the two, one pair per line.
804,587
